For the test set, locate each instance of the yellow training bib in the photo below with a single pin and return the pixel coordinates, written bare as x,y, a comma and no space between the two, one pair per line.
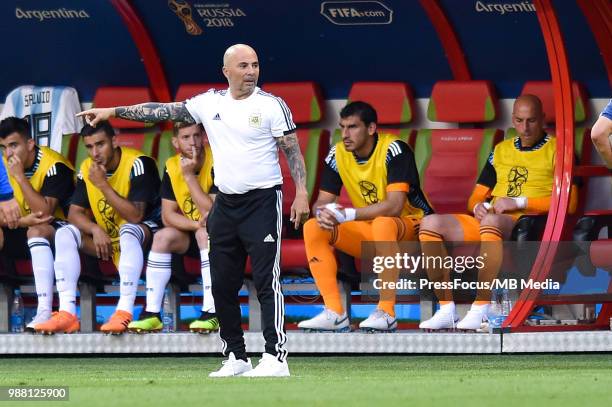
366,184
179,186
105,215
524,173
48,159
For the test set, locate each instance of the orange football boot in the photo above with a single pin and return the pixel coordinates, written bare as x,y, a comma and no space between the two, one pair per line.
118,322
60,322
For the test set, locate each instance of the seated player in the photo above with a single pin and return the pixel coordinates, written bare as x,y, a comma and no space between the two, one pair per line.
380,176
113,215
42,182
186,192
517,179
600,134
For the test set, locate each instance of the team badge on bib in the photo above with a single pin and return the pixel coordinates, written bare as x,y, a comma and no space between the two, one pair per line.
255,120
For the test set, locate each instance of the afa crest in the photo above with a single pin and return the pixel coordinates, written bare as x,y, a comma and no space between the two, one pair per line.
255,120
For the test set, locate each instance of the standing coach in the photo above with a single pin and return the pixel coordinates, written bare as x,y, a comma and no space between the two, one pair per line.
245,128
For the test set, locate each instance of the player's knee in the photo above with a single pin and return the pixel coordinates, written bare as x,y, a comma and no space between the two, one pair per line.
162,240
599,137
38,231
384,228
67,236
312,230
491,219
433,223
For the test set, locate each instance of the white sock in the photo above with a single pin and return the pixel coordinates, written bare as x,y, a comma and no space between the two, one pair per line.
450,307
131,260
42,265
67,266
158,275
479,307
208,301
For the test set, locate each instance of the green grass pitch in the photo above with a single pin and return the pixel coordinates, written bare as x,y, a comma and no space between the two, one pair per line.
375,381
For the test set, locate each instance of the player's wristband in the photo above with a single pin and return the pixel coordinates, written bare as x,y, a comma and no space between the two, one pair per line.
349,214
521,202
333,208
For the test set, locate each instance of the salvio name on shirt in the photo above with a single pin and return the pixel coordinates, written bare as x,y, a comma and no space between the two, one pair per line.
36,98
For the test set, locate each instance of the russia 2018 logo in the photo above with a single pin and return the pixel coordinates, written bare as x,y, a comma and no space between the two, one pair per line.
183,10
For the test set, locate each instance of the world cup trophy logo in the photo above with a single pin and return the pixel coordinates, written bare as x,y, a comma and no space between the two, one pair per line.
183,10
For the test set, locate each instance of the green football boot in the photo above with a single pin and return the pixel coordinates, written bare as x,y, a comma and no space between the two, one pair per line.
206,323
148,322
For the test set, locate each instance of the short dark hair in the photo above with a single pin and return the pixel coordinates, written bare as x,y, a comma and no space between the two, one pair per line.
104,126
12,125
181,125
363,110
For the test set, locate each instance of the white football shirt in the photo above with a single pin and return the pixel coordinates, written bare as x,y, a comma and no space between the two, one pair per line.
51,111
242,136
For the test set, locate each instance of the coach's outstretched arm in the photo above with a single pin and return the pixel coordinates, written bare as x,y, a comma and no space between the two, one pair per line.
144,112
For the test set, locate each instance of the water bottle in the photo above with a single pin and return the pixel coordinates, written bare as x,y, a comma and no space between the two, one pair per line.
17,313
496,314
506,303
168,313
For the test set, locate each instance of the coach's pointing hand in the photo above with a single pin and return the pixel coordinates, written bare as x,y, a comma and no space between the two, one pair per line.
94,116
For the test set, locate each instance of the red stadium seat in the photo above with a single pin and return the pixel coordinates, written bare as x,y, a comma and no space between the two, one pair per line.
23,267
462,102
190,90
69,146
545,91
450,160
303,98
393,101
600,254
109,96
148,143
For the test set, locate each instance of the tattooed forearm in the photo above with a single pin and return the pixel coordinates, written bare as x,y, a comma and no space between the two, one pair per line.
291,147
155,112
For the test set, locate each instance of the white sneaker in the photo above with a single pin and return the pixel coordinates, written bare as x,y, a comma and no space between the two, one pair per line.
444,318
232,367
39,318
327,320
475,317
269,366
379,320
